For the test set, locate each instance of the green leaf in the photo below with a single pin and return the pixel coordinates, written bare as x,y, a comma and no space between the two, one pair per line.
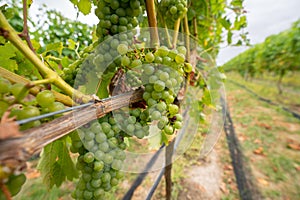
71,44
103,88
75,2
84,6
56,164
7,51
65,62
225,23
206,99
54,66
58,47
8,64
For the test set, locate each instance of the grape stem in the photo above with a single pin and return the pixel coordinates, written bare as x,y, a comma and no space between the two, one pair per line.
175,34
151,14
187,37
12,36
24,33
195,29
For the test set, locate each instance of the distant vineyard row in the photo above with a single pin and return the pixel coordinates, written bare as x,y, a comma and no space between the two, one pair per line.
278,54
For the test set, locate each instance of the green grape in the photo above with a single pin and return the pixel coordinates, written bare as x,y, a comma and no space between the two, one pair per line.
151,102
122,49
88,157
173,109
28,112
162,51
55,106
104,146
4,85
106,177
179,58
155,115
156,95
106,127
136,63
188,67
173,10
130,128
161,106
19,91
168,130
87,194
149,57
131,120
159,86
116,164
125,61
114,4
178,125
149,70
153,79
164,76
146,96
178,117
182,50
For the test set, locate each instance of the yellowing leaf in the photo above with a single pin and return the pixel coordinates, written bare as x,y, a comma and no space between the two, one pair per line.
84,6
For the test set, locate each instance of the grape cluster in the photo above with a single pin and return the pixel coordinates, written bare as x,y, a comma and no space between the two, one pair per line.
117,16
173,10
14,96
101,150
160,72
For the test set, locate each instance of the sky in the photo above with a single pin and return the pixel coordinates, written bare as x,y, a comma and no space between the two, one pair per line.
265,17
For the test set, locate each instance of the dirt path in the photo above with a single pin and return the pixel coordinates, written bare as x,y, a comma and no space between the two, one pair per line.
203,181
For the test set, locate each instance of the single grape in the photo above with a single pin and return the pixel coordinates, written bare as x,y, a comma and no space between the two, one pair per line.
88,157
122,49
4,85
159,86
149,57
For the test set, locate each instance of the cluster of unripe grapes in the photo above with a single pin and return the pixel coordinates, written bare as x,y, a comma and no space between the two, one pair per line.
101,148
16,97
117,16
173,10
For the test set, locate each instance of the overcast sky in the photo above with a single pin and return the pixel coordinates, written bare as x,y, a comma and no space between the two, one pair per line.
265,17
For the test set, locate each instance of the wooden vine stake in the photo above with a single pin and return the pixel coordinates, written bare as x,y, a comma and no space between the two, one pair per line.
168,169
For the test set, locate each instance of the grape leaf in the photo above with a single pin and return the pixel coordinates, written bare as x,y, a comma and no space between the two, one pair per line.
71,44
8,64
58,47
75,2
84,6
56,164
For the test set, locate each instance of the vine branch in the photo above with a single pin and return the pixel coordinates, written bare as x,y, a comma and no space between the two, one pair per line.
187,37
25,33
35,89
